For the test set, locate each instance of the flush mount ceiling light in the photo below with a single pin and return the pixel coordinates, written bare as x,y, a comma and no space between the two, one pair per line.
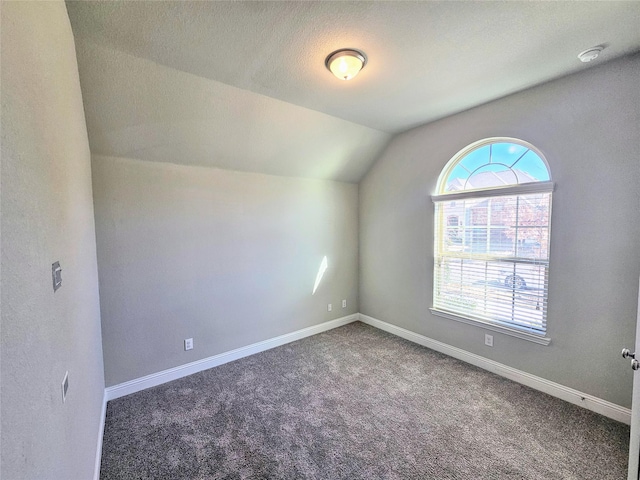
346,63
590,54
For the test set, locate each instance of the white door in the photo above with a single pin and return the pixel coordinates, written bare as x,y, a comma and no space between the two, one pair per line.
634,444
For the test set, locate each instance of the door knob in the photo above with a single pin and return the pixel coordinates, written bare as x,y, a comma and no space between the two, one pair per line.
635,364
627,354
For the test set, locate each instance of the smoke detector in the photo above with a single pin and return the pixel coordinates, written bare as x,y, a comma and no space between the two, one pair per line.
590,54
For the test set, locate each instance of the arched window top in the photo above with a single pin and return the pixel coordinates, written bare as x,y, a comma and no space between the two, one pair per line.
492,163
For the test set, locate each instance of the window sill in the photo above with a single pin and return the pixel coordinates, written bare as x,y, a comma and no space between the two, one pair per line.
531,337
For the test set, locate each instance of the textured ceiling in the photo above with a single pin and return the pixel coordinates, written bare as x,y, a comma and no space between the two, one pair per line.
243,85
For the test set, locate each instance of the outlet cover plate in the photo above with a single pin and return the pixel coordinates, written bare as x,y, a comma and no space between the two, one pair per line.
488,340
188,343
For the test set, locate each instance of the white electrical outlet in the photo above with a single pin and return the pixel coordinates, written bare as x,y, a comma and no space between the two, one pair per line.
65,386
329,307
488,340
344,304
188,343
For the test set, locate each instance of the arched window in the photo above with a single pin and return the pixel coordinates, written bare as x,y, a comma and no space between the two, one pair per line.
492,224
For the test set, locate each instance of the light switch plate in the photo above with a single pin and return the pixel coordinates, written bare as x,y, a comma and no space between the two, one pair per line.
56,275
65,386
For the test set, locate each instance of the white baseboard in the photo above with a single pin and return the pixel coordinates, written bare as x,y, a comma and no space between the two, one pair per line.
142,383
595,404
103,415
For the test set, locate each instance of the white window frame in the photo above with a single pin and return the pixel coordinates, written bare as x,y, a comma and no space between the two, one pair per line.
509,190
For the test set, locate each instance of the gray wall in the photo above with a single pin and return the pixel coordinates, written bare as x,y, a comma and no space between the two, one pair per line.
227,258
47,215
587,125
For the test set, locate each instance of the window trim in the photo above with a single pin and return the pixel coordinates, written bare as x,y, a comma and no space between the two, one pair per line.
522,334
508,190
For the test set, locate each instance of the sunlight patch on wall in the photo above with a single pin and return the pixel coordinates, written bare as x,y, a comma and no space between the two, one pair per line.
323,268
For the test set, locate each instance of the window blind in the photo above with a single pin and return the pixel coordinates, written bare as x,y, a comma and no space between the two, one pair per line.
492,258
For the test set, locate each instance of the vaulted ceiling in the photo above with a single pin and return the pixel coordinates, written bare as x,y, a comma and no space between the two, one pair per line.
242,85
